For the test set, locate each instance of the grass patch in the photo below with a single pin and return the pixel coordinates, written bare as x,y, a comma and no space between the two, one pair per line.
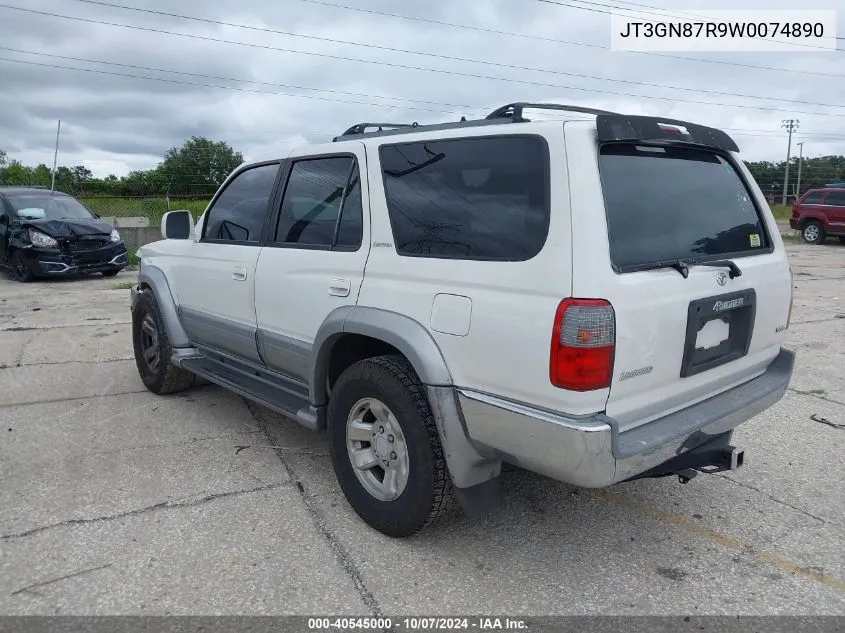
816,392
123,285
781,212
131,256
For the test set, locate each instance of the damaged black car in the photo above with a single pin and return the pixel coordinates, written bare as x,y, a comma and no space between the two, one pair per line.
51,234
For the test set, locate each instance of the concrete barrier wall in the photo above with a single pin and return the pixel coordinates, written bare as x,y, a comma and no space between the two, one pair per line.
135,232
137,236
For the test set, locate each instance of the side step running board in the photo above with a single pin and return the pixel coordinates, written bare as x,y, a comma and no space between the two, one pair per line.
260,389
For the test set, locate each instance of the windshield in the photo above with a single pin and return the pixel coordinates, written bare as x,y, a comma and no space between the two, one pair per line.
47,206
669,203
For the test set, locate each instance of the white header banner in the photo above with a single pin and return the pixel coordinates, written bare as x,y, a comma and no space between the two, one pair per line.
810,31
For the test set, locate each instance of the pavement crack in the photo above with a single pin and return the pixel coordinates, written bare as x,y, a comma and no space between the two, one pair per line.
21,328
778,501
28,403
151,508
343,557
77,362
820,396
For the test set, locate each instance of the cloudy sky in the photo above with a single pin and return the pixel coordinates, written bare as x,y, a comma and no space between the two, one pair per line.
263,91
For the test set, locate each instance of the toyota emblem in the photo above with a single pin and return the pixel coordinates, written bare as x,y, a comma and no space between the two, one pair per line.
721,279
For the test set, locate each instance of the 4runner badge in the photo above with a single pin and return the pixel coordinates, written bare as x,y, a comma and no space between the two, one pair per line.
721,279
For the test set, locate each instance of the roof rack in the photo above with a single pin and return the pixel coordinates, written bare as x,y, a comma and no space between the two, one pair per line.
2,186
513,111
361,128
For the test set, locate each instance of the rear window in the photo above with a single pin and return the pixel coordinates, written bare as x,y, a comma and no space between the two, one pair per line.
483,198
669,203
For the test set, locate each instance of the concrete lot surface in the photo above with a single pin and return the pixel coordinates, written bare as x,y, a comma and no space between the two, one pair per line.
116,501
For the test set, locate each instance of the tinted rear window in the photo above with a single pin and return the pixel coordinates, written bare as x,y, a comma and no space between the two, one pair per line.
482,198
668,203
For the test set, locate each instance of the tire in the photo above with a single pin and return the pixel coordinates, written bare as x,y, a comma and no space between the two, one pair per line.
20,269
842,238
110,273
149,333
813,233
408,427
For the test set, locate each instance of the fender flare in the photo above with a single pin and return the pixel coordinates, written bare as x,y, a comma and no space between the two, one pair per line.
410,337
154,278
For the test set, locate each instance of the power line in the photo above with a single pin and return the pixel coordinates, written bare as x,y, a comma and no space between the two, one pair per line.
280,85
191,83
408,67
446,57
481,29
251,81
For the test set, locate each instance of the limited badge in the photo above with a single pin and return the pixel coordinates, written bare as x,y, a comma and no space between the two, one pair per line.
755,240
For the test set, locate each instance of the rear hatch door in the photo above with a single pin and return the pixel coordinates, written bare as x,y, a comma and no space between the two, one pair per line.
678,239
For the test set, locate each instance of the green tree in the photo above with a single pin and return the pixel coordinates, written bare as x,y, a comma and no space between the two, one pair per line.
3,159
198,165
16,173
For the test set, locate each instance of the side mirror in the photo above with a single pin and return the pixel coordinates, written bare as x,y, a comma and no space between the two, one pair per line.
177,225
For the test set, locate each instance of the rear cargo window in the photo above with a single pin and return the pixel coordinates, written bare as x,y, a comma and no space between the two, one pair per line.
669,203
483,198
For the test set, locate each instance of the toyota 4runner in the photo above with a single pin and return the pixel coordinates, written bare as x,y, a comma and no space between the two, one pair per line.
596,298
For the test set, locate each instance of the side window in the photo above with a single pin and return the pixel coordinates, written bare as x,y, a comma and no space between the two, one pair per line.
238,213
482,198
813,198
836,198
322,204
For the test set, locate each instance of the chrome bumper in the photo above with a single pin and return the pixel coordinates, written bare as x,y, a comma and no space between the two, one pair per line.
591,452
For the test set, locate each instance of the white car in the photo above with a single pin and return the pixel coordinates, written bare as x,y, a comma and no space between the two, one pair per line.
596,298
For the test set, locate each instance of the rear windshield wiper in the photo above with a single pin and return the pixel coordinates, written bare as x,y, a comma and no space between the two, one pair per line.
723,263
678,264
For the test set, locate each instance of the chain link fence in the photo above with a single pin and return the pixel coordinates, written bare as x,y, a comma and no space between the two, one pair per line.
150,207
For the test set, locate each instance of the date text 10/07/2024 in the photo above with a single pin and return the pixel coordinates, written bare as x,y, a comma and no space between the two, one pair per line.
417,624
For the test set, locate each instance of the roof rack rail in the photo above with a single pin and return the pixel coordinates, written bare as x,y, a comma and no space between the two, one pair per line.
361,128
24,186
513,111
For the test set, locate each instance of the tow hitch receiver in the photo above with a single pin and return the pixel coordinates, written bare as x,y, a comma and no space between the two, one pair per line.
714,456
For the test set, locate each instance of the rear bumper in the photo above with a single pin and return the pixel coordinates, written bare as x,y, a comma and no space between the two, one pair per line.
591,452
53,262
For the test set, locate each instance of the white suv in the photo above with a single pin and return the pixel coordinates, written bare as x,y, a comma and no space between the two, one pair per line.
596,298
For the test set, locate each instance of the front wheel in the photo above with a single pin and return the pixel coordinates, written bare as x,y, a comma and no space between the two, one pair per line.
153,350
385,448
20,269
813,233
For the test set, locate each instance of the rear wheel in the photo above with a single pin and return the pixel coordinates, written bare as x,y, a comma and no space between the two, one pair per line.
385,448
813,232
153,350
842,238
20,269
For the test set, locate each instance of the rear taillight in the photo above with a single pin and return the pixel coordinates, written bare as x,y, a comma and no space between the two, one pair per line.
583,345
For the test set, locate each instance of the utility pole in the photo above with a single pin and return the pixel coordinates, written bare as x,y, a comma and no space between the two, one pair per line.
790,125
55,157
800,160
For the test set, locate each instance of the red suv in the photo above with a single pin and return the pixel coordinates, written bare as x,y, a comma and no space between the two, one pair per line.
819,213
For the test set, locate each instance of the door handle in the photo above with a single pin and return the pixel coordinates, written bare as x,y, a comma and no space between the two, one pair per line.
239,274
340,287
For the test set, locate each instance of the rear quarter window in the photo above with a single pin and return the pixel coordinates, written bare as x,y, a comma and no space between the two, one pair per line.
669,203
481,198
